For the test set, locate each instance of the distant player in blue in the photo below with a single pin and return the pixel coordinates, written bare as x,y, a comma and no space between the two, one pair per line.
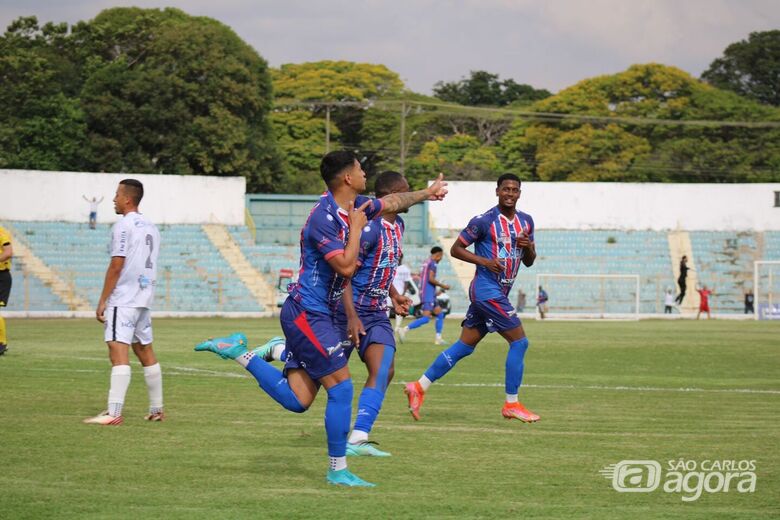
330,242
430,307
503,238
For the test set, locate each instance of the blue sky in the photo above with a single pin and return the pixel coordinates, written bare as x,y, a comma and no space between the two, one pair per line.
547,43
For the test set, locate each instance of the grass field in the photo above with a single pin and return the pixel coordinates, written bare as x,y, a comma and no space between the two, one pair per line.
606,392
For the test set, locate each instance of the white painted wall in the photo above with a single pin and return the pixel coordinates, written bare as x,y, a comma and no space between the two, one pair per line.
607,205
168,199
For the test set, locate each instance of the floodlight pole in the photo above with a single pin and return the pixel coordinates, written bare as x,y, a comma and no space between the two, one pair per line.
403,136
327,128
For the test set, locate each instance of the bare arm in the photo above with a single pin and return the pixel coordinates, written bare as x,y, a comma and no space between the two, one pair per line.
460,252
434,281
8,252
112,277
396,202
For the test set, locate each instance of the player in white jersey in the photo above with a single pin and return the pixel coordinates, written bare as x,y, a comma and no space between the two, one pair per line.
125,304
401,282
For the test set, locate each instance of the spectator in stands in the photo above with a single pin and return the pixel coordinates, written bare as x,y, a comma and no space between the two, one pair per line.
749,298
668,301
704,302
521,300
93,206
681,280
6,252
541,301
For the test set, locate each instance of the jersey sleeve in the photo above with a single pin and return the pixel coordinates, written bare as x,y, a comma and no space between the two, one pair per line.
324,235
368,241
528,227
474,232
373,209
120,239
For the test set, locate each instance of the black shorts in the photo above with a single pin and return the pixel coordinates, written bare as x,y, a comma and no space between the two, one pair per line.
5,287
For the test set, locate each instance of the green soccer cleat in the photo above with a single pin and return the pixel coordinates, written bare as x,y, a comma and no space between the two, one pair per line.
365,449
343,477
229,347
266,351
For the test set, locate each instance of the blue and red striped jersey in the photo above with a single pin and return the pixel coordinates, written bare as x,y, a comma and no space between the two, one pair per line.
495,236
380,249
427,289
324,235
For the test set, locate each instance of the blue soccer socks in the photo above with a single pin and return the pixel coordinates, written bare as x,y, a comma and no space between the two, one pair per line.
515,365
368,409
274,383
419,322
439,323
447,359
338,414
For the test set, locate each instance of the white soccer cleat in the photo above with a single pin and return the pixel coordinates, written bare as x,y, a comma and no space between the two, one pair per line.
104,419
155,417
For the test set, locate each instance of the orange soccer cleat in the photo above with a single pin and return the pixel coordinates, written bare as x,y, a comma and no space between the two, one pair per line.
104,419
416,396
518,411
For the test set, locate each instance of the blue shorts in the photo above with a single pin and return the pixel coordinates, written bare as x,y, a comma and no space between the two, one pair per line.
313,341
491,316
428,306
378,330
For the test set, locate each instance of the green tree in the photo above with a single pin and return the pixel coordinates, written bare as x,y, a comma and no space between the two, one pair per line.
459,157
483,88
171,93
569,149
42,125
751,68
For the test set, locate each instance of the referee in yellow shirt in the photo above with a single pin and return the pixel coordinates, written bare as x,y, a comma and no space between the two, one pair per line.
6,252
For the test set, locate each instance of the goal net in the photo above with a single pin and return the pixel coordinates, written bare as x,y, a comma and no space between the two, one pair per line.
766,289
590,296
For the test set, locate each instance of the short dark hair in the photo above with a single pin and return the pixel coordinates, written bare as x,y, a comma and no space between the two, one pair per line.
385,182
134,189
436,249
507,177
334,163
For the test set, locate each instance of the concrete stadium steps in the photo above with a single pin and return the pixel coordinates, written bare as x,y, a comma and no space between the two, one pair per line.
192,275
725,264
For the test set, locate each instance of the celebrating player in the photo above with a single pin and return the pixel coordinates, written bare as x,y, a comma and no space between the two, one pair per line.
503,237
428,284
330,242
125,303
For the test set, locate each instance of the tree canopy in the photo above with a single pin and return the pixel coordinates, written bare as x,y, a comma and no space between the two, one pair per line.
483,88
750,68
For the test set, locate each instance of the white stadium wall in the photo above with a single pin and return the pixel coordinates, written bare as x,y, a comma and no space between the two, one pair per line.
608,205
168,199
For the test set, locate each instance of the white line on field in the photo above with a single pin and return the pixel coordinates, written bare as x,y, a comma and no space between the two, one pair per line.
184,371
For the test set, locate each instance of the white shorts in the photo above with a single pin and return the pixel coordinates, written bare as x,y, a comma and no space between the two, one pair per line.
129,325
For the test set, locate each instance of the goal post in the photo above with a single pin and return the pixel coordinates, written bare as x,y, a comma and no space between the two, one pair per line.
766,289
590,296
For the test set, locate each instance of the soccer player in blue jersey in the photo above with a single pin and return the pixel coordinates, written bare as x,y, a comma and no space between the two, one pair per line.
428,284
330,241
365,316
503,238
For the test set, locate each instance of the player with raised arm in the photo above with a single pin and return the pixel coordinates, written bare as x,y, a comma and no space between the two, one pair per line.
503,238
330,242
428,285
125,304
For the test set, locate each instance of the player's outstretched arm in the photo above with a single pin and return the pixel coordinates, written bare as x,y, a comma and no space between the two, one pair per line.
396,202
459,251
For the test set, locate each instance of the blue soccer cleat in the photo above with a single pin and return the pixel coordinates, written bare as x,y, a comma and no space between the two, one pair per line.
365,449
229,347
343,477
266,350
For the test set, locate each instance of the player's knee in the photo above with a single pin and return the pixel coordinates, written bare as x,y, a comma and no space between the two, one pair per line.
341,392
